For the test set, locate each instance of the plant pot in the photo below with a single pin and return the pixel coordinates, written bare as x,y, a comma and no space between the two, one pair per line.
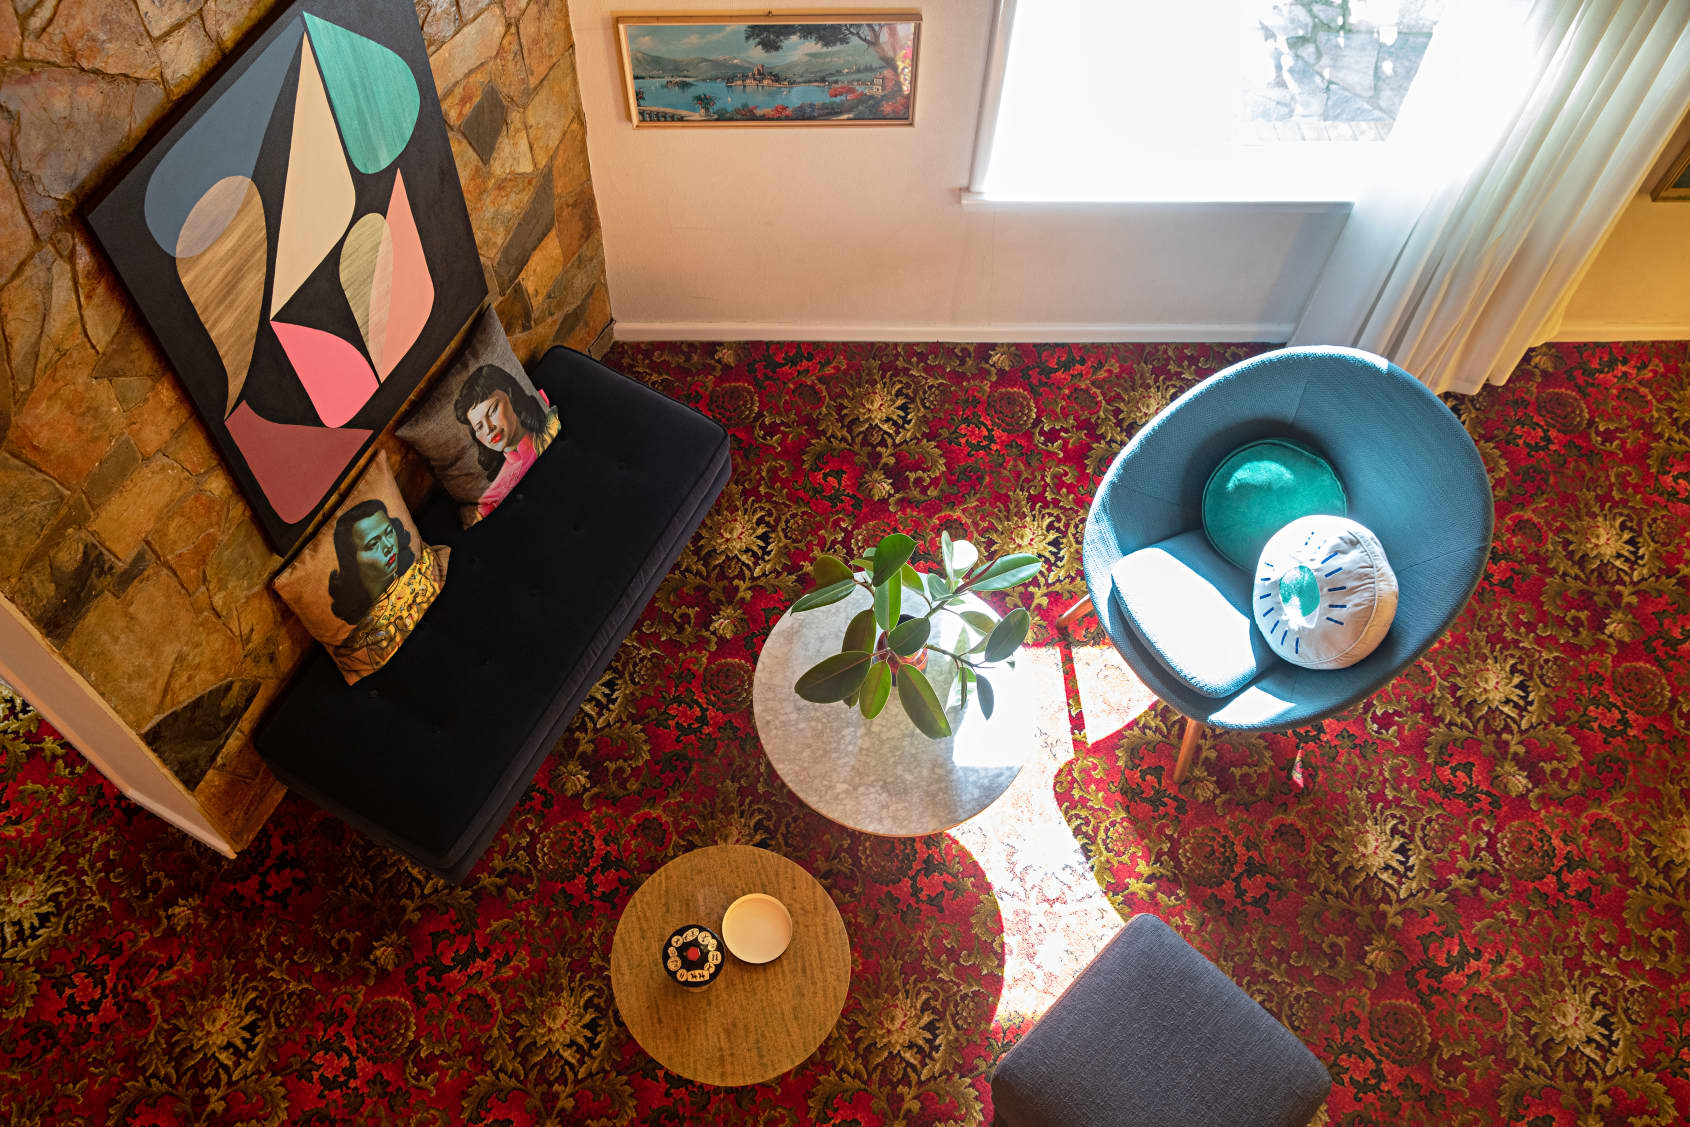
917,660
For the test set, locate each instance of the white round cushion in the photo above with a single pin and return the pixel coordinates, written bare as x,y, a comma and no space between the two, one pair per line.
1325,594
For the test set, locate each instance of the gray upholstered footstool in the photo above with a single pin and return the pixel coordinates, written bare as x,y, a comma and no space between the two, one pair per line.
1153,1033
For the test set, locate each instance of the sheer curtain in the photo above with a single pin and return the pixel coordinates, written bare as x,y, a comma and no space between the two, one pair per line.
1531,125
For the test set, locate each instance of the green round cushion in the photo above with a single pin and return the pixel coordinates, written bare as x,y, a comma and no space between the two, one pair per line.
1260,488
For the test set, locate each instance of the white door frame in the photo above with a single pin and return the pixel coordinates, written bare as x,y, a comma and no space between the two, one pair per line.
30,664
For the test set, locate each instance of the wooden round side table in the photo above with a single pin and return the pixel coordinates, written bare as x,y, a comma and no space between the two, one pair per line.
753,1022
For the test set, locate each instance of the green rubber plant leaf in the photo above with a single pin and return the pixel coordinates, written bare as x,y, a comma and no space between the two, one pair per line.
911,578
965,677
851,701
892,553
877,687
984,688
937,586
921,705
1006,572
828,570
860,634
888,604
945,556
825,596
834,678
1006,637
979,620
908,637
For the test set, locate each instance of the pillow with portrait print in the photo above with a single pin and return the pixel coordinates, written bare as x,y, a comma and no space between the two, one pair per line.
483,424
366,578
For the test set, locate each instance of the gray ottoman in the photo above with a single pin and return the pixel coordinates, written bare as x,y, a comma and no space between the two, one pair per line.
1153,1033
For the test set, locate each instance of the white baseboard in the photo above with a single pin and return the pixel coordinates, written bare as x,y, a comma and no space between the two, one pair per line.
1051,333
1598,331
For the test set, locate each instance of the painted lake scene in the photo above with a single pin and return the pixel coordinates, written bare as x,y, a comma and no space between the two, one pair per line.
812,71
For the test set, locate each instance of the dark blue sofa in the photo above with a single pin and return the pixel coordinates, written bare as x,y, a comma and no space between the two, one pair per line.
430,753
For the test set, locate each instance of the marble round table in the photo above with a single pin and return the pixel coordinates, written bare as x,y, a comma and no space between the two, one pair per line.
882,776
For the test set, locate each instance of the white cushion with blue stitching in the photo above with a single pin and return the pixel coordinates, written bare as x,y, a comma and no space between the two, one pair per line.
1325,594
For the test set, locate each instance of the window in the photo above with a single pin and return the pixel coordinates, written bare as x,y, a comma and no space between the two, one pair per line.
1198,99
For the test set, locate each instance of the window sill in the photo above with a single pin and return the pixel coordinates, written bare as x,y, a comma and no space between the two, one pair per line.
981,201
1312,177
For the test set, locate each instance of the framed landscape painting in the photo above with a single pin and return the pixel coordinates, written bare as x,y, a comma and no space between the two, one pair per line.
768,69
1675,185
296,238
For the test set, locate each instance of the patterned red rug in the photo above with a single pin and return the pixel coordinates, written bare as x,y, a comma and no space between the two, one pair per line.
1476,910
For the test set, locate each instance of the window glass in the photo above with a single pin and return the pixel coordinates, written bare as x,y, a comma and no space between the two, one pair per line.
1222,99
1334,72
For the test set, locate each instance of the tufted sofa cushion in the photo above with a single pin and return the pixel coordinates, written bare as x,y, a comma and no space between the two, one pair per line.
430,753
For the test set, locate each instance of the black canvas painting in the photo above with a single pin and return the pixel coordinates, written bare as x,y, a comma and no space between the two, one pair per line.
297,239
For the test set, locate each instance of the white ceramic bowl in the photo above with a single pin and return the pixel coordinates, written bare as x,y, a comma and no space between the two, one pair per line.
757,928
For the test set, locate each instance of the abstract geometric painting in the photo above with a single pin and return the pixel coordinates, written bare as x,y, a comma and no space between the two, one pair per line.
297,239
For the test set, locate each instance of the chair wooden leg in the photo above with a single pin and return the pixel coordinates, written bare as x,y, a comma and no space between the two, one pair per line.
1187,749
1075,613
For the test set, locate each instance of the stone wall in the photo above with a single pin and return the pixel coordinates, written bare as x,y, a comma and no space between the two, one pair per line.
122,537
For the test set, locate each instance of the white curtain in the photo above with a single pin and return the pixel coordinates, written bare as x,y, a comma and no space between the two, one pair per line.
1530,126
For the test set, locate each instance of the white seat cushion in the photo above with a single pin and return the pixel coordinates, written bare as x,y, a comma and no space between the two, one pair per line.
1192,609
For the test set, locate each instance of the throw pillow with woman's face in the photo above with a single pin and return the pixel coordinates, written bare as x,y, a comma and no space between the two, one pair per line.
371,551
366,577
510,426
494,423
499,414
484,425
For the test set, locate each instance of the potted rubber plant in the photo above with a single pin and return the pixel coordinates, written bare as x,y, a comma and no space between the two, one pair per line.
889,646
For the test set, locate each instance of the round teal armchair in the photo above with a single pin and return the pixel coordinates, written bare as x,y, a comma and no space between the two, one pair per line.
1412,475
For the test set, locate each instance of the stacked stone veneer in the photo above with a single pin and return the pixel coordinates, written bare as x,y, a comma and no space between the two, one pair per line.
122,537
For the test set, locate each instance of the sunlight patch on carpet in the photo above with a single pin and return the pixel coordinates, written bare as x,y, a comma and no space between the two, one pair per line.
1055,917
1111,695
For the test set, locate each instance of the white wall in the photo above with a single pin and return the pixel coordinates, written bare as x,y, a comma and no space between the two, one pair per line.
1638,285
858,232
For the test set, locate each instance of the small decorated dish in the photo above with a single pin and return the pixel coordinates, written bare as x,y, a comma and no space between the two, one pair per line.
692,956
757,928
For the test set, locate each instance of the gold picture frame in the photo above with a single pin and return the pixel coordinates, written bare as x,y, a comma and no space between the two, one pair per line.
769,69
1675,185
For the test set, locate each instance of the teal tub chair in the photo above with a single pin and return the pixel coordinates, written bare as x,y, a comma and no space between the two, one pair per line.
1412,475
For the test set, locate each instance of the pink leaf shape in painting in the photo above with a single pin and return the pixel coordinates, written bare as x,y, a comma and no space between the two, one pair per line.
295,465
335,374
412,289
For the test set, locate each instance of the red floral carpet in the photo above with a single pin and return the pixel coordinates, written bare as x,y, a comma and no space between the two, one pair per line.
1477,909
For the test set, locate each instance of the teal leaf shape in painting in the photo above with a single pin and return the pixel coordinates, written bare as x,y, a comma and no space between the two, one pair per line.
372,90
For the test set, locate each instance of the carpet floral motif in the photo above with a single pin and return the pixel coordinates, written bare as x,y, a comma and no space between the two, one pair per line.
1474,910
